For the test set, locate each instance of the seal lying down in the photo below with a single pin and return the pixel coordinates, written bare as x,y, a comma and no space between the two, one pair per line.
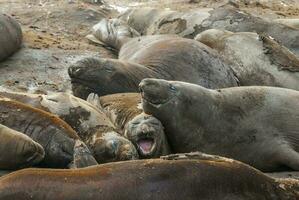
144,131
263,62
10,36
158,56
91,124
18,150
195,177
256,125
56,137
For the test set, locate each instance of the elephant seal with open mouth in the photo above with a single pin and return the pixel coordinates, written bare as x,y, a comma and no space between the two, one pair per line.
144,131
256,125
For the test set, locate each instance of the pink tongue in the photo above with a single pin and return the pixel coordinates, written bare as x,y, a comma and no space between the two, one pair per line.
146,145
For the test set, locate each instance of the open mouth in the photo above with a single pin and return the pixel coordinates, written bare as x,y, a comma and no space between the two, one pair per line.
146,146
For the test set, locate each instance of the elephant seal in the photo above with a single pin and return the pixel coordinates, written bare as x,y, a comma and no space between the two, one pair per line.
18,150
289,22
10,36
226,17
256,125
263,61
157,56
144,131
91,124
169,178
53,134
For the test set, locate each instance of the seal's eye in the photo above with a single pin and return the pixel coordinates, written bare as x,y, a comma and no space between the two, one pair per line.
172,88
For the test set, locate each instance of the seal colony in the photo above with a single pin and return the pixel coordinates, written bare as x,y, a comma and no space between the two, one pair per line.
191,98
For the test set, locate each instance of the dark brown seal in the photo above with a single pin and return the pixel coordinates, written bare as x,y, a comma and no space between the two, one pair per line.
10,36
158,56
56,137
172,178
256,125
18,150
91,124
144,131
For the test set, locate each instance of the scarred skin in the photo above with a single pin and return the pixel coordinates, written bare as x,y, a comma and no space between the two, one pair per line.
54,135
205,178
256,125
91,124
18,150
10,36
159,56
125,112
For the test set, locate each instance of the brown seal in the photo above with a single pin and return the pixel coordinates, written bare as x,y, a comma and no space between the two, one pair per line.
18,150
10,36
91,124
53,134
158,56
144,131
256,125
171,178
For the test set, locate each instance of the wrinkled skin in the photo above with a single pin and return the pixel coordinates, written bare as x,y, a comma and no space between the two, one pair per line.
10,36
84,118
263,61
159,56
18,150
112,147
213,178
54,135
144,131
147,134
256,125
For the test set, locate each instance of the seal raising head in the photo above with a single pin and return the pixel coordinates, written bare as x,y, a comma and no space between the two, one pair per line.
147,134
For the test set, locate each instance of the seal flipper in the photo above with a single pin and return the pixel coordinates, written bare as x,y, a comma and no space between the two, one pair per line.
82,156
94,100
279,54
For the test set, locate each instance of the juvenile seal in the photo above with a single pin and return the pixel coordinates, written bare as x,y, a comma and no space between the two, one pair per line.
144,131
212,178
10,36
157,56
53,134
256,125
91,124
262,62
18,150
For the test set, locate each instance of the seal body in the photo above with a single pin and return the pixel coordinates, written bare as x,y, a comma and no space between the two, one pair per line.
10,36
18,150
158,56
256,125
144,131
150,179
262,62
56,137
91,124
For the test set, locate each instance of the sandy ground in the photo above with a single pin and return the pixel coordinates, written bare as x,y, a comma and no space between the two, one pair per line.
55,30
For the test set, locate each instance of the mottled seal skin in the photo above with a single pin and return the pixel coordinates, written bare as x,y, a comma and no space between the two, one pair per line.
256,125
144,131
206,178
54,135
10,36
89,122
18,150
158,56
263,61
